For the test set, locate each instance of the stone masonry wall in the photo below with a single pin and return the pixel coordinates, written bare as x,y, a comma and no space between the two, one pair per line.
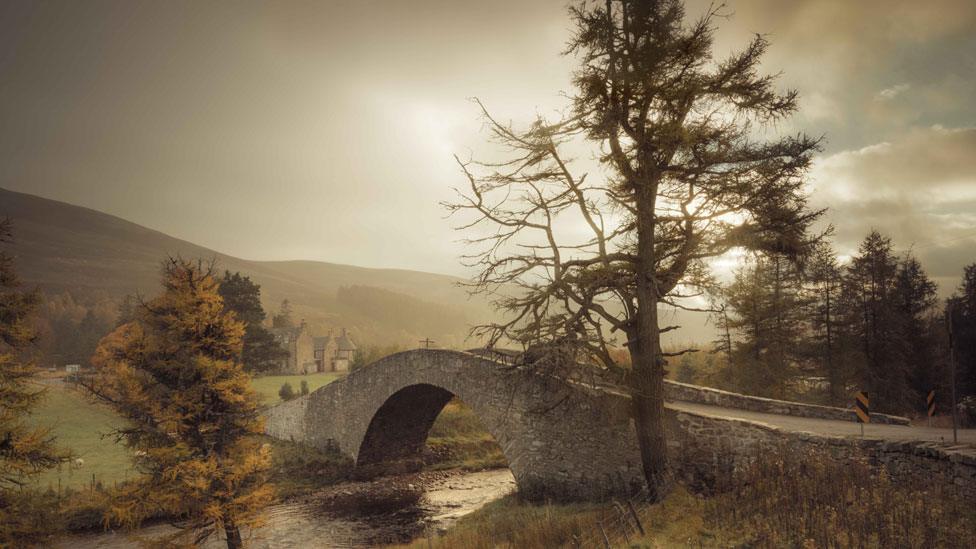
382,413
674,390
704,447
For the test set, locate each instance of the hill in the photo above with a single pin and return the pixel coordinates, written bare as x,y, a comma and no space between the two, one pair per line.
95,256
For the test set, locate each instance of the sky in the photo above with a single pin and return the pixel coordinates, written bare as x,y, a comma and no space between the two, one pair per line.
325,130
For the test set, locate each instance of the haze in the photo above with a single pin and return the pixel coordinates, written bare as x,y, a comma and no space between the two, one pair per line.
324,130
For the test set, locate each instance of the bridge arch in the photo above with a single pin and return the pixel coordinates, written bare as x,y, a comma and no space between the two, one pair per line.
561,440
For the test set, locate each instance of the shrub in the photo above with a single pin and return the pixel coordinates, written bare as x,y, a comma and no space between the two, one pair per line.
304,388
286,392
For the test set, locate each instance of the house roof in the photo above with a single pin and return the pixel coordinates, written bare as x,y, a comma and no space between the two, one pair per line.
322,342
344,343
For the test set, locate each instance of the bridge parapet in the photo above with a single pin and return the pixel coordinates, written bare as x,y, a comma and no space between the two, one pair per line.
674,390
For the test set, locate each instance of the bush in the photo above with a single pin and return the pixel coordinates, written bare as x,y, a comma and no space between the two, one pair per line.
304,388
287,392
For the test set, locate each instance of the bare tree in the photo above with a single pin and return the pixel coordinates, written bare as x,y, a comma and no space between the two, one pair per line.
684,176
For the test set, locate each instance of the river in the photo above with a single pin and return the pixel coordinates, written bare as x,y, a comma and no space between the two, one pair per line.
356,514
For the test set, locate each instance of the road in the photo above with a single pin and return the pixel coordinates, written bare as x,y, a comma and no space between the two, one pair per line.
833,427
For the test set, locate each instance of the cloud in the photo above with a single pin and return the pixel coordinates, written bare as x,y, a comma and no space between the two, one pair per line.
938,162
888,94
920,189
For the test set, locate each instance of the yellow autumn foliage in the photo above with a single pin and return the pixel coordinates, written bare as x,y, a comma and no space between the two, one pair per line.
175,374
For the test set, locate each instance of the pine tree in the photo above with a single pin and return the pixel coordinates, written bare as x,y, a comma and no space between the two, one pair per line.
964,331
826,336
686,175
915,299
260,352
242,296
24,451
283,319
766,305
175,375
869,304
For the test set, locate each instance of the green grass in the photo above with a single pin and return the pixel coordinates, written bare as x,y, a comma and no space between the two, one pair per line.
268,386
79,425
459,440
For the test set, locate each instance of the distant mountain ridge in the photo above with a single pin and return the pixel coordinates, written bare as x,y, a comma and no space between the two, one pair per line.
65,248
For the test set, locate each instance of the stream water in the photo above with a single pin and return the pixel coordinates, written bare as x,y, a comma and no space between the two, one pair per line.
363,514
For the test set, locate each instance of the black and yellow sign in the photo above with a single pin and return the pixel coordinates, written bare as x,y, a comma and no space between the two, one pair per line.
930,401
862,407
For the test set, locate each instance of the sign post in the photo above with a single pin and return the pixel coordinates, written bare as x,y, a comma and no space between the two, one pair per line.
862,409
952,367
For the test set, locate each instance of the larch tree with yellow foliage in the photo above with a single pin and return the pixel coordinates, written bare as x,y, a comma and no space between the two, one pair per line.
175,374
25,451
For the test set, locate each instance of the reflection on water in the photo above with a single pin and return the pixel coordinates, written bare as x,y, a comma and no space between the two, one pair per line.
343,518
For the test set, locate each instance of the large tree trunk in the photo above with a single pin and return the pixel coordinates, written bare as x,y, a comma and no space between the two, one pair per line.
233,534
647,384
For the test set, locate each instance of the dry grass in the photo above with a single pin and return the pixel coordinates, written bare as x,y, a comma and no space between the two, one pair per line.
784,499
788,498
458,440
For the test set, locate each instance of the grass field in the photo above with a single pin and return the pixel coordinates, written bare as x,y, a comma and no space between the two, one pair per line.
457,438
80,424
268,386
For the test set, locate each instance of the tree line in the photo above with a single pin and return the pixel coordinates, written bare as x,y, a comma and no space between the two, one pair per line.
873,323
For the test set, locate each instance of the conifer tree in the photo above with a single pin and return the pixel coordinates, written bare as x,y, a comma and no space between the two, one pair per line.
260,351
964,328
686,175
826,342
283,318
767,305
24,451
915,299
175,375
869,305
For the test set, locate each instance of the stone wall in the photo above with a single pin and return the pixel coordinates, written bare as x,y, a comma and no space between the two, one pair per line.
381,414
674,390
703,448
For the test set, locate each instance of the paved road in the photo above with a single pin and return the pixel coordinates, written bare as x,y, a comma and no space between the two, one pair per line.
833,427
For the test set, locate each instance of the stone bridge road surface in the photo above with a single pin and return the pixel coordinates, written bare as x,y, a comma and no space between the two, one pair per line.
967,437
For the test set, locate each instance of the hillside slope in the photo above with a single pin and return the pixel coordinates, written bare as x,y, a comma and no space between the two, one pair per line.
64,248
95,256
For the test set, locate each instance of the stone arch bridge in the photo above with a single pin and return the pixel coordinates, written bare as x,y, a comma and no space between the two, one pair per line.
569,440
